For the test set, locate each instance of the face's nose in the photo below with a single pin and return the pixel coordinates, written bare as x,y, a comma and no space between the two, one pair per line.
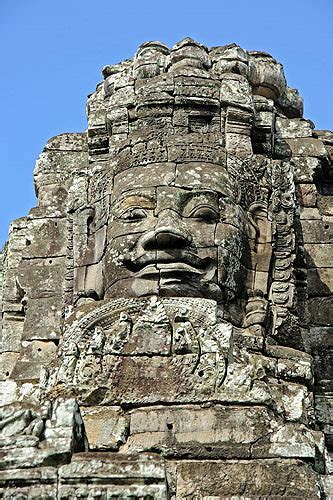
169,233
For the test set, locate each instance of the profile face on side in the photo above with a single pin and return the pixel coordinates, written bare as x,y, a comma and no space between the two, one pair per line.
174,231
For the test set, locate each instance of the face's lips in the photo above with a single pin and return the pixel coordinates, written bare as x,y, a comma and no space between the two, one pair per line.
151,270
161,262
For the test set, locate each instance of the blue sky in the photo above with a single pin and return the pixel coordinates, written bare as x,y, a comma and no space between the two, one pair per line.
52,52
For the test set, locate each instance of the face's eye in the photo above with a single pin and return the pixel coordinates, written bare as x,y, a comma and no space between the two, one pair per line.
134,214
204,212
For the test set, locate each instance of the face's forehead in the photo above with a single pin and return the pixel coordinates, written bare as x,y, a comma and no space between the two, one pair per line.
191,176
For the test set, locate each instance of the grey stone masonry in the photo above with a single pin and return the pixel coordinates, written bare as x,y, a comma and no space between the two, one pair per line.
167,322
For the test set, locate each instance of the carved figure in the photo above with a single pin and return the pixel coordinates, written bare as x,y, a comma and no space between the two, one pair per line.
90,362
70,357
27,421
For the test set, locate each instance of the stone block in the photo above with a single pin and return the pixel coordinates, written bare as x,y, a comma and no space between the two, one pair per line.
189,151
37,483
290,441
8,391
216,432
285,148
197,432
306,195
284,352
229,59
23,455
12,331
52,200
93,250
325,204
291,103
70,141
16,243
266,75
239,143
236,91
321,310
149,380
43,318
140,177
249,479
294,401
323,360
291,370
40,435
306,213
45,238
203,176
317,231
328,486
93,279
319,337
57,167
105,427
319,254
293,128
183,379
324,407
307,147
41,278
196,87
33,356
320,281
292,364
305,168
7,363
12,292
111,475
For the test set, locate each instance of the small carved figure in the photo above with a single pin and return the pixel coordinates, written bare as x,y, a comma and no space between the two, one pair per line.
89,366
185,338
69,360
118,334
28,421
97,341
13,421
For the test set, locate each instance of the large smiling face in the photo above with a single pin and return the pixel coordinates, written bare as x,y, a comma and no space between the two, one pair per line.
175,231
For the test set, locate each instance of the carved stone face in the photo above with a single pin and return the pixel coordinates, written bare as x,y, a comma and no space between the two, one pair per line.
175,231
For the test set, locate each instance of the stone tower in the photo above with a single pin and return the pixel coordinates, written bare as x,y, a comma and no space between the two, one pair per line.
167,317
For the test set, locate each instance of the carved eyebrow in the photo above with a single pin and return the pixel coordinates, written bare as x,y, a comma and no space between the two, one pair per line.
147,195
192,198
134,199
151,196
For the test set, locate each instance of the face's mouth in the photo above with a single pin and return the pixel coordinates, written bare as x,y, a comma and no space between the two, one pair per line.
171,269
167,264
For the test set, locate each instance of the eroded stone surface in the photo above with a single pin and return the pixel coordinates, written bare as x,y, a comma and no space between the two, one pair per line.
250,479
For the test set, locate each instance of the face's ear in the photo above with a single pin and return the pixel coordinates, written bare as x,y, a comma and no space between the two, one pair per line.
260,229
88,248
